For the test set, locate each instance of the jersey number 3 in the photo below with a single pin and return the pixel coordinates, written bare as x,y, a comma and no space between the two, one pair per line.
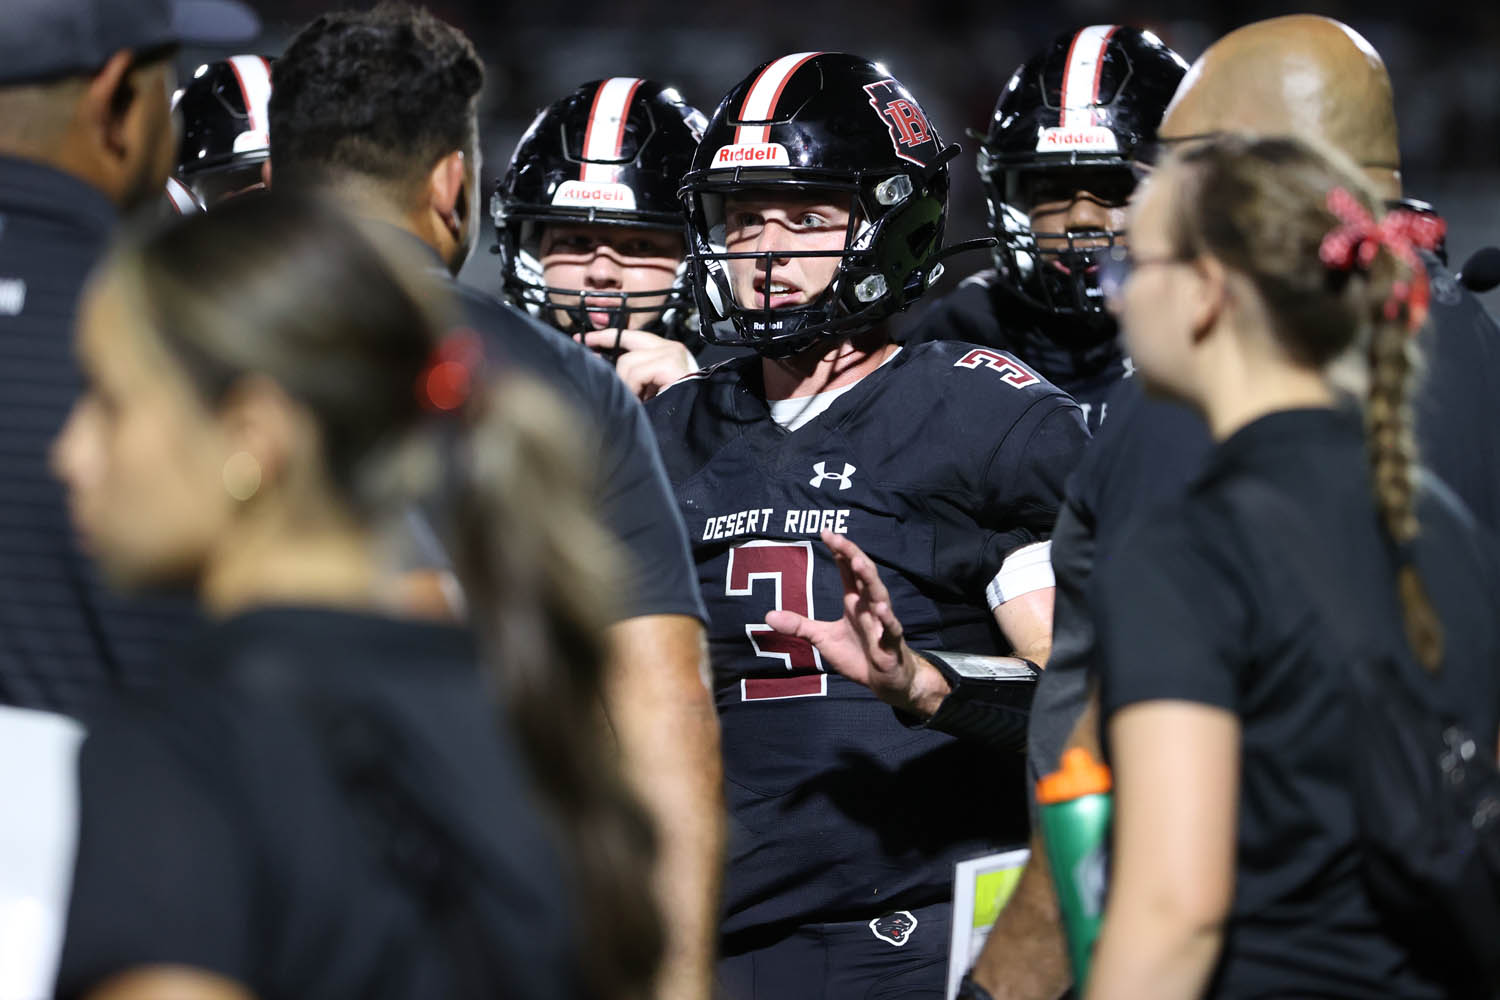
788,567
1011,373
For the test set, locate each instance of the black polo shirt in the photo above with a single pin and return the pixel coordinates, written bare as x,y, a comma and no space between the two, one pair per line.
322,806
63,638
1457,396
634,498
1249,595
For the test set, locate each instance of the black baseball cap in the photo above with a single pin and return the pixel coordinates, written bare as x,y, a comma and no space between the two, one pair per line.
50,39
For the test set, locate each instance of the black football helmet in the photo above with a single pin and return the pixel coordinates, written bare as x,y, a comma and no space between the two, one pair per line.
1069,120
225,128
819,121
613,152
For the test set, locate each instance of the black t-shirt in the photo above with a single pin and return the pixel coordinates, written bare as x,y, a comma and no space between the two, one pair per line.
939,465
635,500
1143,457
1249,595
245,821
1084,361
64,639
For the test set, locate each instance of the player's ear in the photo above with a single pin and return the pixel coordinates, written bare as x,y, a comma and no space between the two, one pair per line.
446,191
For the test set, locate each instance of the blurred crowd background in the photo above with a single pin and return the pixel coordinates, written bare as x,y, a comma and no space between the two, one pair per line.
955,55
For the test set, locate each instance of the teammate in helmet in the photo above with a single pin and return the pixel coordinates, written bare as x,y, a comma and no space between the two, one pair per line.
590,228
1055,164
816,206
225,140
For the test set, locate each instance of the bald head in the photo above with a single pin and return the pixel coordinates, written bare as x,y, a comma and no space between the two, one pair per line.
1302,75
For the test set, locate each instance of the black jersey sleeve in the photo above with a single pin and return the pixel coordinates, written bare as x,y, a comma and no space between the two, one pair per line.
159,877
1023,480
1172,624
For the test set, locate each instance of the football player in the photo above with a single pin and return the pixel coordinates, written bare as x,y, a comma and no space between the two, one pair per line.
225,137
1055,164
816,208
590,228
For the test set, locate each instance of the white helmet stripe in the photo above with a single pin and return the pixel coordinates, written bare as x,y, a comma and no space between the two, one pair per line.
605,133
1080,89
181,197
761,98
254,74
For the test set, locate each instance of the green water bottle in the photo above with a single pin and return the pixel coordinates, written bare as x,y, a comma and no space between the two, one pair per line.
1075,810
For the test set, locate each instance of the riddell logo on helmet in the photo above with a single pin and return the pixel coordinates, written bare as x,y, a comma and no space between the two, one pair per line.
1093,139
752,154
593,194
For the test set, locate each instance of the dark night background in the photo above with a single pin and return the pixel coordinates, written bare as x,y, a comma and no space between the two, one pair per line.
955,55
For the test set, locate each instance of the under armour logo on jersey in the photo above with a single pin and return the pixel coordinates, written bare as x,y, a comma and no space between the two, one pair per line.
844,479
894,928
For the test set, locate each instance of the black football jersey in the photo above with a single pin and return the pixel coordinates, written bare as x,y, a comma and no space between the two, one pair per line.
939,465
1083,362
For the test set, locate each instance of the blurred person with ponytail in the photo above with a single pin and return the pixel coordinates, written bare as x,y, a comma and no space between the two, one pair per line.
329,799
379,110
1260,272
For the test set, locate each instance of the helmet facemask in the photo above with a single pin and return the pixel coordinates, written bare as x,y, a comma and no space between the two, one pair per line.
569,308
883,262
1057,270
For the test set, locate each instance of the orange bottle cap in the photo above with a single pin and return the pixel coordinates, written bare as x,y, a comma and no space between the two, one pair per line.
1080,775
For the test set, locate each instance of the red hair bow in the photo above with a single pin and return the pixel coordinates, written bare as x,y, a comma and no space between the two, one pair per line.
445,384
1355,243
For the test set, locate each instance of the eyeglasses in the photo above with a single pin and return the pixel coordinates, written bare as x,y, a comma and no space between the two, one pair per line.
1119,264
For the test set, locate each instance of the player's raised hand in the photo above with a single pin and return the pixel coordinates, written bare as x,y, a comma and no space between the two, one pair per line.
867,644
646,362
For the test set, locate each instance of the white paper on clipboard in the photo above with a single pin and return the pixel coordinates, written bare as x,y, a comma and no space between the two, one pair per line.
981,888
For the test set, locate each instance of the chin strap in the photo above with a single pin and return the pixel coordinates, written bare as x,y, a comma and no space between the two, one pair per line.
982,243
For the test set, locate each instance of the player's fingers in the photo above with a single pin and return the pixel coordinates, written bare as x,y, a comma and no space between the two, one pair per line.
623,340
862,566
886,615
840,545
660,369
840,548
631,372
867,578
846,575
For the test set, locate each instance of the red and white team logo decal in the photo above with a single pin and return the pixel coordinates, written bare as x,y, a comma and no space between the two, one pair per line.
894,928
911,135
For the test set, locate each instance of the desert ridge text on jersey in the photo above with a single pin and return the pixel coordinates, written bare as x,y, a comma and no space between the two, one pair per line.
794,521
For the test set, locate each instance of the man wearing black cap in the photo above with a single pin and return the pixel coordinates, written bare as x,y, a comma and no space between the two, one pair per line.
85,133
